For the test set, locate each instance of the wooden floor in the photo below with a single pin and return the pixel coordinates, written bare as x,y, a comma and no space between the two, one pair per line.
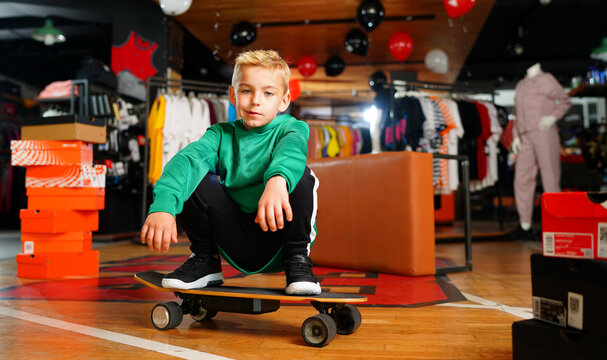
498,289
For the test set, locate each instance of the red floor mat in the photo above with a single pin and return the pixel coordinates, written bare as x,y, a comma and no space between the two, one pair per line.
381,289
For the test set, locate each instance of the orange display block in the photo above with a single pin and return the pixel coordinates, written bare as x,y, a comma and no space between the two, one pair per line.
66,198
58,265
65,176
388,224
38,243
49,152
58,221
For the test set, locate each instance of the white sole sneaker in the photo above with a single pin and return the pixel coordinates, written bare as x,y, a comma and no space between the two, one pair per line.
211,279
303,288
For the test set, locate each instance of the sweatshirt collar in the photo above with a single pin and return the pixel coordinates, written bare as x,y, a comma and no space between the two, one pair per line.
272,124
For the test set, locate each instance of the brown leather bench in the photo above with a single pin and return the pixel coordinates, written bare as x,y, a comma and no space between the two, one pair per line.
376,213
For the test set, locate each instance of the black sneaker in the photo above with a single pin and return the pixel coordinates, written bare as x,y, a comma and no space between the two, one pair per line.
522,235
196,272
300,279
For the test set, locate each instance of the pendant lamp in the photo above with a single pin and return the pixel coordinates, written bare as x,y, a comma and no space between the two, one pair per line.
600,53
48,34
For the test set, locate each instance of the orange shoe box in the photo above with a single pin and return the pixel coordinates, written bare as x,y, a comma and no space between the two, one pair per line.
66,198
574,225
38,243
58,265
65,176
49,152
58,221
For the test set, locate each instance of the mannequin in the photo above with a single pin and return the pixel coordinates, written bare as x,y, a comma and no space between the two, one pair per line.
540,101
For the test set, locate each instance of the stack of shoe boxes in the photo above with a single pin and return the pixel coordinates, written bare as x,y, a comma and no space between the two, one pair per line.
65,193
569,282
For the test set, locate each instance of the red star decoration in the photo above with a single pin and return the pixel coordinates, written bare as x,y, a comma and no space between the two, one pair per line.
135,55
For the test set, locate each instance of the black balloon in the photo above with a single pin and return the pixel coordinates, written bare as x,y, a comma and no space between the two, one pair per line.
370,13
334,66
243,34
356,42
377,80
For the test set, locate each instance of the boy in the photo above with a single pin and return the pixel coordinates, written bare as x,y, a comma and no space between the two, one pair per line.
261,161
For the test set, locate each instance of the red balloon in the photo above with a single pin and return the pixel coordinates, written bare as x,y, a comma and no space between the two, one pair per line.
307,65
457,8
294,89
400,45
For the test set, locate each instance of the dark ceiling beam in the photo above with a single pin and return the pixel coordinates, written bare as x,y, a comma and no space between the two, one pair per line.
343,21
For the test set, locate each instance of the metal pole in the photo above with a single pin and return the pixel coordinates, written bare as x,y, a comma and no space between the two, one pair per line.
144,186
391,113
467,216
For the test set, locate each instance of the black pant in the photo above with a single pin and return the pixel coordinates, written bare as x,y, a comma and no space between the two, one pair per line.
210,218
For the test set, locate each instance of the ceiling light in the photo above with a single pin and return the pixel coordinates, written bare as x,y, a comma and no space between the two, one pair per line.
48,34
600,53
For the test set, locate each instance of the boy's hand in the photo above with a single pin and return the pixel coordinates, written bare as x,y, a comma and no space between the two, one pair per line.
159,230
273,201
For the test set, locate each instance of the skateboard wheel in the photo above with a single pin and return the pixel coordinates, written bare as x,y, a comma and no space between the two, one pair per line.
347,318
204,314
318,330
166,316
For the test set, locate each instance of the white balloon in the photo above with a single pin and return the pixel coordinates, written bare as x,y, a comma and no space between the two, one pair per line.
175,7
437,61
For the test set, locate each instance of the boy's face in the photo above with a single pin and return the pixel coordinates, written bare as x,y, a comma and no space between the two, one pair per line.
260,94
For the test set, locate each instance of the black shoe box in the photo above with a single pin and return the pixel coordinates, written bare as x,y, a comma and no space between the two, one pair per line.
570,292
534,340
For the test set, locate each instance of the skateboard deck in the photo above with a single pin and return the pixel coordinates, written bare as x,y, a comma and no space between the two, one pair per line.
336,315
153,279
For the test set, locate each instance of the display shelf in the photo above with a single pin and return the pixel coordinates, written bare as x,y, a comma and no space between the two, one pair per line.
586,90
53,100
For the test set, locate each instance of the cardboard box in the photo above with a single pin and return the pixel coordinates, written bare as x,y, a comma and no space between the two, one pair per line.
570,292
38,243
58,221
574,225
57,265
48,152
533,340
65,198
67,127
65,176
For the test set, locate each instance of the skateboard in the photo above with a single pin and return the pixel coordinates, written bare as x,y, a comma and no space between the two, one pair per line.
336,314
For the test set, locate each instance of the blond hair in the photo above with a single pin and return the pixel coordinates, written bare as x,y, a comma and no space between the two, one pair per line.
268,59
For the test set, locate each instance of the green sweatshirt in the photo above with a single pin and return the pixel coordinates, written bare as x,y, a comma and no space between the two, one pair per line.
244,160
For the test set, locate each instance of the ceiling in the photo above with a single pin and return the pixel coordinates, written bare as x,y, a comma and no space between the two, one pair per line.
560,36
479,44
212,22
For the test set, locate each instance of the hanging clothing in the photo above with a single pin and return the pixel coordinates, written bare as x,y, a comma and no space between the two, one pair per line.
472,124
445,134
455,135
155,126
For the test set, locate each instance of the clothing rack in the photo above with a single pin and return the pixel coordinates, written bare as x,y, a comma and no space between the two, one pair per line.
331,120
435,87
154,83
